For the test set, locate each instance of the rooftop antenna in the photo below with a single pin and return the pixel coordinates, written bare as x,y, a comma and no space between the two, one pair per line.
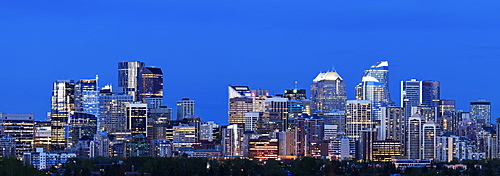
97,81
333,68
296,84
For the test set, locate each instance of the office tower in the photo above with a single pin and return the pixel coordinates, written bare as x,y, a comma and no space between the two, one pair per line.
331,132
152,83
328,92
251,119
137,146
278,105
80,87
269,122
112,109
446,110
100,145
130,78
42,160
393,124
342,148
358,117
263,148
63,103
431,131
184,135
295,94
296,108
238,106
427,112
374,87
480,112
154,103
337,118
307,131
90,102
137,115
239,91
21,128
159,120
232,139
415,93
185,108
42,135
386,150
365,150
286,143
207,131
79,125
414,142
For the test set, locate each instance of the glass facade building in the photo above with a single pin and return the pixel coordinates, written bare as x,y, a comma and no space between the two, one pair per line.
328,92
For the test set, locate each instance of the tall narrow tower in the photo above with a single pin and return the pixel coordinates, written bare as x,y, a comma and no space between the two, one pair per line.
130,78
374,86
63,104
152,83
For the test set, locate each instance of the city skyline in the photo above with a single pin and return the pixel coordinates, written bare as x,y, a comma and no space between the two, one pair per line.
201,49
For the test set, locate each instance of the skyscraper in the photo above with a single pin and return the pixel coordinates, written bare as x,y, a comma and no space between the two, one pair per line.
415,93
185,107
374,86
21,128
112,109
358,117
63,103
137,115
152,83
415,133
480,112
328,92
130,78
81,87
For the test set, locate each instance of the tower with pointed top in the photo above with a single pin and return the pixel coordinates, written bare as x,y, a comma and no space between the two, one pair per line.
328,93
374,86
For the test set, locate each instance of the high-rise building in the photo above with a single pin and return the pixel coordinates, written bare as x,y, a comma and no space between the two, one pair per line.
286,143
393,124
480,112
42,134
358,117
446,111
342,148
232,139
21,128
415,141
152,83
238,106
80,87
374,86
263,149
130,78
297,108
278,105
81,124
185,108
63,103
112,109
431,132
307,131
328,92
137,115
415,93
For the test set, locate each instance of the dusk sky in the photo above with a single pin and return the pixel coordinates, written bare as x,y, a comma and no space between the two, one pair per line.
203,46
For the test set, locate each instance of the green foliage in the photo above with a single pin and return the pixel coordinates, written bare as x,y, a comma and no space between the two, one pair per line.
14,167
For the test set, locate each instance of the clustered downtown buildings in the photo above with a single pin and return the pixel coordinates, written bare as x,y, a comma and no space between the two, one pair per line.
131,120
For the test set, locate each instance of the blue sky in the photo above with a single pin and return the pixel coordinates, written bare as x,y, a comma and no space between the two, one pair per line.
203,46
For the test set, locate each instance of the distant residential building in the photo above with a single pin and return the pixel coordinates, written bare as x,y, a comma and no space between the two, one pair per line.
232,140
431,131
342,148
286,143
307,131
100,146
161,148
42,160
7,147
415,141
393,124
